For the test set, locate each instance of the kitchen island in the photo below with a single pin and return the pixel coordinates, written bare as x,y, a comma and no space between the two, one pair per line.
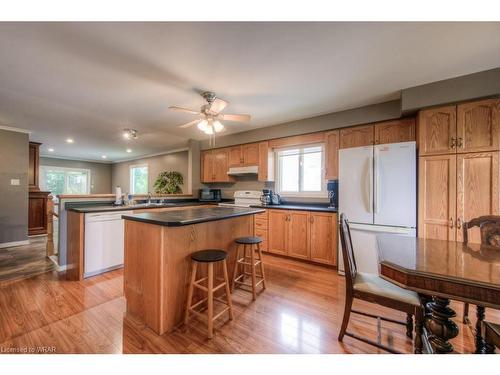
158,247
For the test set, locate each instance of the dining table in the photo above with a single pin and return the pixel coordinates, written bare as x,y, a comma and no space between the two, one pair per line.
440,271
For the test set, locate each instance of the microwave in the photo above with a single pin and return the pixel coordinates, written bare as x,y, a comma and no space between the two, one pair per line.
210,195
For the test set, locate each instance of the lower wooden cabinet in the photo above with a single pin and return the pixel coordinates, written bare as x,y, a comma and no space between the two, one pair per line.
37,212
303,235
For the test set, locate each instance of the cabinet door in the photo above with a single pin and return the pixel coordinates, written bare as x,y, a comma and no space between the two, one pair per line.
235,156
264,167
396,131
250,154
324,238
357,136
332,155
478,126
33,166
207,173
278,231
437,197
478,192
437,129
220,163
298,234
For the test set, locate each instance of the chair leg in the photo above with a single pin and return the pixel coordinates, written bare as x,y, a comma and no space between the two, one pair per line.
236,266
479,324
194,268
228,290
419,330
254,278
409,325
261,267
465,319
347,313
210,301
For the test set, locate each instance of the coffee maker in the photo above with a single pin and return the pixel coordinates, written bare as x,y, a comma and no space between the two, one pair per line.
266,197
333,193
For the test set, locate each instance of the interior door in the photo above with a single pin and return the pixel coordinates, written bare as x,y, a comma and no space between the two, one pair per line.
323,236
478,191
278,231
478,126
395,184
437,129
437,197
298,234
356,184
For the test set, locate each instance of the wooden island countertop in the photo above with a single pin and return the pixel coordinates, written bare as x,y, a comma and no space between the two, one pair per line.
158,248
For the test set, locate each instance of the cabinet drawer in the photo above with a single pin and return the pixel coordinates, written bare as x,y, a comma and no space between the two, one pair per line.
263,215
261,223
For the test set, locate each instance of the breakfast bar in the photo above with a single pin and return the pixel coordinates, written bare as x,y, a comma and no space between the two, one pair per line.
158,247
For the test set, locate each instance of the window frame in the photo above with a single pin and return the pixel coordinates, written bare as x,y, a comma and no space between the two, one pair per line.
131,178
301,193
43,170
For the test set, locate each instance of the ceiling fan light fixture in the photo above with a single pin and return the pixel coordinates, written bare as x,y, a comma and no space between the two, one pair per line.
203,125
218,127
130,134
209,130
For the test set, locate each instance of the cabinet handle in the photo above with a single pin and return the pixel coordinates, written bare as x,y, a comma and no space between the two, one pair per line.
460,143
311,219
453,142
451,223
459,223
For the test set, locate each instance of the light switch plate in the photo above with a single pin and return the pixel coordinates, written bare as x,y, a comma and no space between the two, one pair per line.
15,182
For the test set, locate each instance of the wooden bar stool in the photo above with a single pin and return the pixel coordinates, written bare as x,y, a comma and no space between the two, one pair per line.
210,256
249,260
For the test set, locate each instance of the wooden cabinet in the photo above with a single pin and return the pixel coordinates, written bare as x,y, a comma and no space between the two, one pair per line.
478,126
437,130
478,194
332,155
244,155
214,166
33,166
323,235
266,162
37,212
357,136
278,231
262,229
298,234
235,156
402,130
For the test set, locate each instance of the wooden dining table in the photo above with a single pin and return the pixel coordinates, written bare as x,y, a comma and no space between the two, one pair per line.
441,271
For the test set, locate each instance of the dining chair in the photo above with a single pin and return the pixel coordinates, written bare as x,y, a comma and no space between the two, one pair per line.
372,288
491,337
489,227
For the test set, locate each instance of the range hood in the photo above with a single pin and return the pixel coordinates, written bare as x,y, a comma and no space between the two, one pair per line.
241,171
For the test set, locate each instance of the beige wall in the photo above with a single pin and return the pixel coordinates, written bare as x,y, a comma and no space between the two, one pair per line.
177,161
14,152
100,173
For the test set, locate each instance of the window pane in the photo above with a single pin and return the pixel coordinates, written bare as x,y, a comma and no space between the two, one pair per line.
312,171
76,183
54,182
289,167
140,180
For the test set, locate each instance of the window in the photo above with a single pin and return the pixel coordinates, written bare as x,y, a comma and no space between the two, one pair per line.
299,171
139,179
59,180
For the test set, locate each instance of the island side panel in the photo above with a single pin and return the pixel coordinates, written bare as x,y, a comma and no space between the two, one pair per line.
75,245
143,272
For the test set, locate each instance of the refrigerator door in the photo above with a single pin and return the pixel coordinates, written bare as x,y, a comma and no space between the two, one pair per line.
365,246
395,180
356,184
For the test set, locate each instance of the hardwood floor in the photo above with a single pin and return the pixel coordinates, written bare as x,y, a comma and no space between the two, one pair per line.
299,312
25,261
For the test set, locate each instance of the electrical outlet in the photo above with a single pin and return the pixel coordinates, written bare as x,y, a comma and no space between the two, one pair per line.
15,182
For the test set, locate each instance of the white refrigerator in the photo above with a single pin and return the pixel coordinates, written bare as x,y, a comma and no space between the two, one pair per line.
377,193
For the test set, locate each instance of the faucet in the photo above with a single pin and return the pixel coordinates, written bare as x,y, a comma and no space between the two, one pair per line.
149,197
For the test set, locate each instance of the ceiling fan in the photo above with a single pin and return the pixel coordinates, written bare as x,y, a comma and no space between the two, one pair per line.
210,114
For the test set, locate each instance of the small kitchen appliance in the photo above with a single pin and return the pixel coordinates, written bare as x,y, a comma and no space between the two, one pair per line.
210,195
333,193
275,198
265,198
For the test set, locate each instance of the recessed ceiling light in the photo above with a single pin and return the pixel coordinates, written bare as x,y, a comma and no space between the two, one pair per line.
70,140
51,150
104,156
129,150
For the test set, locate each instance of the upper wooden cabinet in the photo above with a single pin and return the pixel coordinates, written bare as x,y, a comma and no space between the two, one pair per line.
33,166
266,162
478,126
357,136
244,155
214,166
332,155
402,130
468,127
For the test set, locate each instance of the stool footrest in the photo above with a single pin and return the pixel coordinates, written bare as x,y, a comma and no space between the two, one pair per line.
247,284
256,263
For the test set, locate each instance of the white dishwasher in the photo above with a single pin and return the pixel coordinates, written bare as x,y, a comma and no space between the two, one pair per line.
104,242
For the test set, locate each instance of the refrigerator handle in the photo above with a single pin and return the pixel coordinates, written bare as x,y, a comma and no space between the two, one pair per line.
370,185
376,183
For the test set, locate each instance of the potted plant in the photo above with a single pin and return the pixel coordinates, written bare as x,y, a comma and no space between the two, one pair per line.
168,183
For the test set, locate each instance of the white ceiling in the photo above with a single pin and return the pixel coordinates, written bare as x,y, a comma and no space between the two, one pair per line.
88,81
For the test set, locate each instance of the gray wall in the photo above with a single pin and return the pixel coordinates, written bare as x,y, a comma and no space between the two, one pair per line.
14,153
100,173
471,86
178,161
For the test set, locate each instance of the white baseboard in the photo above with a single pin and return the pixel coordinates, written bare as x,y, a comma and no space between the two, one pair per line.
15,243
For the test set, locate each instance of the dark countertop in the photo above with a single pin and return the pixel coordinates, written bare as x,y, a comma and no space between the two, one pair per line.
176,218
299,207
91,208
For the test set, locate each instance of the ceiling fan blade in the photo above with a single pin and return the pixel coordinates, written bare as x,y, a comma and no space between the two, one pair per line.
239,118
190,123
180,109
217,106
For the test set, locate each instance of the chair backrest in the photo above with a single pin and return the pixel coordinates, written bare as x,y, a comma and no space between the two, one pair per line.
489,227
347,251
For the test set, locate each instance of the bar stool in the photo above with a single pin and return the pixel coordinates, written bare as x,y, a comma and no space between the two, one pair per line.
252,262
210,257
